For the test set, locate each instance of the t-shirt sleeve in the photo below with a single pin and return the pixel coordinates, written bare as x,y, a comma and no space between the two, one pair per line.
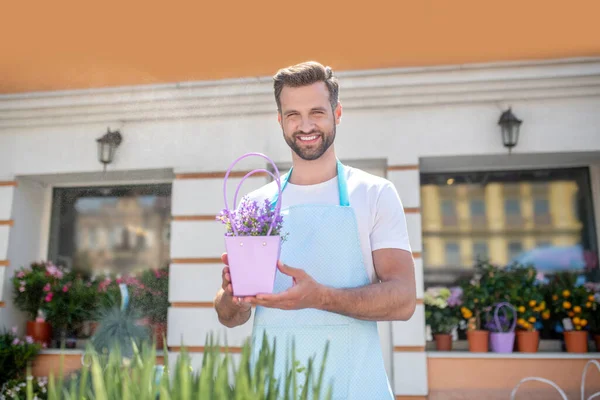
389,228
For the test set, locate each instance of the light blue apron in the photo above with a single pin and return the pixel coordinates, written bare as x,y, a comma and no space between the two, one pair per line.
324,241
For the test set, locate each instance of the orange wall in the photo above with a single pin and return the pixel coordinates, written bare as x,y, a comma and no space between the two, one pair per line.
53,45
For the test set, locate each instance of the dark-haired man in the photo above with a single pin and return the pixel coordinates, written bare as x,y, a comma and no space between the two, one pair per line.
347,263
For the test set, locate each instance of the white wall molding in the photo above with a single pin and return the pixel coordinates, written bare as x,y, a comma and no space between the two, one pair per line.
499,82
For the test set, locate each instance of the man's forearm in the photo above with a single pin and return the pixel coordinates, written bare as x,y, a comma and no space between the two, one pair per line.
230,314
384,301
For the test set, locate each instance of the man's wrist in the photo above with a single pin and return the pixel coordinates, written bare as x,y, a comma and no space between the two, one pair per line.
324,296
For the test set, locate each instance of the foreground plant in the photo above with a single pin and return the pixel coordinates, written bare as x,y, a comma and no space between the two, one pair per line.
112,376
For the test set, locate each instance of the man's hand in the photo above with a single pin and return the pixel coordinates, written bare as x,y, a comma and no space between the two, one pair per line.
231,310
391,299
305,292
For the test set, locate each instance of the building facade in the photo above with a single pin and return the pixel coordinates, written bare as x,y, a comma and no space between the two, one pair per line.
427,123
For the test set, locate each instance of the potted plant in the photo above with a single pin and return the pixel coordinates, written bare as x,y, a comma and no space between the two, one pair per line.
253,237
441,314
151,297
30,296
571,304
69,301
15,355
593,304
531,307
502,328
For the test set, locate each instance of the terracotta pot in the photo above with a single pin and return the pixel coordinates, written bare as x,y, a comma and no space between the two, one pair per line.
576,341
40,332
528,341
158,330
597,340
443,341
478,341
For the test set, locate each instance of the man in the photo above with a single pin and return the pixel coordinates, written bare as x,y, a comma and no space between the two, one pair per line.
347,261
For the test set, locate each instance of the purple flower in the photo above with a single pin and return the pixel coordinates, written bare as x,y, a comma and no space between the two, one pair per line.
14,330
455,298
251,219
15,342
29,339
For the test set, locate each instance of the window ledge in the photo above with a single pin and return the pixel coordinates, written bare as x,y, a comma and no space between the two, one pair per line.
515,355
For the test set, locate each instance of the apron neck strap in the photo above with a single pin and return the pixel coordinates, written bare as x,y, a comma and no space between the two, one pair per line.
342,185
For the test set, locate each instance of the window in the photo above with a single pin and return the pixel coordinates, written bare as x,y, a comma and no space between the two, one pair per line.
480,250
119,229
449,212
452,254
514,250
512,211
501,197
541,211
477,207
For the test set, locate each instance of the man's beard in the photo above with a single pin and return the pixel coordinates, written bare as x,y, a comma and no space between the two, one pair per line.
314,152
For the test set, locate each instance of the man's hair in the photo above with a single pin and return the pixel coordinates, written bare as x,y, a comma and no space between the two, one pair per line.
305,74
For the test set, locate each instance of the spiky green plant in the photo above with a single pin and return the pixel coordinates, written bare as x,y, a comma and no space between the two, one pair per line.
119,327
141,378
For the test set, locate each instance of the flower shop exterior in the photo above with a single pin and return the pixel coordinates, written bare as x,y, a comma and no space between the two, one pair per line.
433,132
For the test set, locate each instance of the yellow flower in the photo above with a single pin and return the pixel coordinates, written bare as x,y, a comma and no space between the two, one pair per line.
542,305
532,320
583,322
566,305
591,297
576,321
571,314
546,314
466,313
521,322
588,305
521,309
566,293
532,303
577,309
554,297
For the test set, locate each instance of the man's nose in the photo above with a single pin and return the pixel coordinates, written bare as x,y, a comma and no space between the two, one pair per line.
306,125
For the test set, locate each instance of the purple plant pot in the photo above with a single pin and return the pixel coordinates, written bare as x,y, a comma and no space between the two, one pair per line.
252,263
502,342
253,259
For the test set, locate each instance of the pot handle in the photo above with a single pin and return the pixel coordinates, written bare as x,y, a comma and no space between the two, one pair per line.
497,320
275,176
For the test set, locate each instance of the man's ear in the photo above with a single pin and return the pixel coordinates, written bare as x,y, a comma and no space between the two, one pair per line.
279,117
338,113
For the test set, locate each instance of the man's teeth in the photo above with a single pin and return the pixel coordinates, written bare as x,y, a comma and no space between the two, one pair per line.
307,138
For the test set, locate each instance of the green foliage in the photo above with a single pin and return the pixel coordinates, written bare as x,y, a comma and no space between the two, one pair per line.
441,316
15,355
28,288
73,301
120,328
17,389
139,377
151,295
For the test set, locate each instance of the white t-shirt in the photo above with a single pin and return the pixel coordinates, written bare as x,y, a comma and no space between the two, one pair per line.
378,208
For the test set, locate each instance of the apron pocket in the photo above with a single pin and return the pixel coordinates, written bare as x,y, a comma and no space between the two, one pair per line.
310,341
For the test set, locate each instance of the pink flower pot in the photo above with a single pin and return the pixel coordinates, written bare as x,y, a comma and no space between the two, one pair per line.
252,263
252,259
